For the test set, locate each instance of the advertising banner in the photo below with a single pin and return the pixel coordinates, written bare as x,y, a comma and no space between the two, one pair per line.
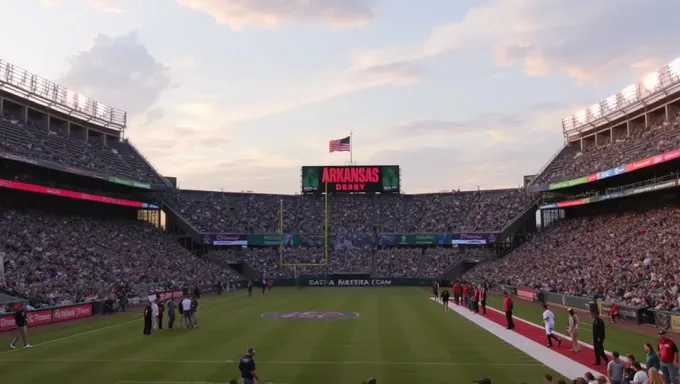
346,179
526,294
73,312
48,316
473,238
225,239
575,302
273,240
568,183
626,312
400,239
373,282
675,323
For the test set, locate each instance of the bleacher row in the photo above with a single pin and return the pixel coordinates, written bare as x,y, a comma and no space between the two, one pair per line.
630,257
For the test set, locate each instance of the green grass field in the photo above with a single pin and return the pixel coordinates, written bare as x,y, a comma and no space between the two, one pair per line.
399,337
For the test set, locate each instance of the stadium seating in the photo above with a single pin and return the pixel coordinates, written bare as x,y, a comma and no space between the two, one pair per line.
477,211
642,142
629,257
64,259
117,158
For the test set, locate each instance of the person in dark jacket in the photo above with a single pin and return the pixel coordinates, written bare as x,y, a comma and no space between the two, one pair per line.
170,305
598,339
652,360
148,314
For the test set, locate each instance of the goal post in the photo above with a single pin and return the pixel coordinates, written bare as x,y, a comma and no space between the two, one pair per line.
324,263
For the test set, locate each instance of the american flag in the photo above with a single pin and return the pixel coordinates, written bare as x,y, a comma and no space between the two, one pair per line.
339,145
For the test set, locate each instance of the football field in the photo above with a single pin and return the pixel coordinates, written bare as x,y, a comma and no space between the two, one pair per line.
302,336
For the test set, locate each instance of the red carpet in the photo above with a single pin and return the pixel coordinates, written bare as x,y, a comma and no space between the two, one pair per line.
586,356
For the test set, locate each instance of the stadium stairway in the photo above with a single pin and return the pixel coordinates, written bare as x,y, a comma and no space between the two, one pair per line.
517,227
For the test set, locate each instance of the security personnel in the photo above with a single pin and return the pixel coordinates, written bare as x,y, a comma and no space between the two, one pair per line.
148,314
247,368
598,339
507,307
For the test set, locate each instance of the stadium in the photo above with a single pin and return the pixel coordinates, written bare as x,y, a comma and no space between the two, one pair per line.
91,232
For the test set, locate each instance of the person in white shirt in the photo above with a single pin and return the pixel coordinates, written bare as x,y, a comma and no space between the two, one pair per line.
186,312
154,316
549,322
640,376
573,330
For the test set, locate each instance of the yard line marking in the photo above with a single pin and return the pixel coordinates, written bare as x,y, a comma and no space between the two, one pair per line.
105,328
277,362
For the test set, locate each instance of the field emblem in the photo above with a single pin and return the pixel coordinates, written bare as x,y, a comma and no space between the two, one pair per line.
310,315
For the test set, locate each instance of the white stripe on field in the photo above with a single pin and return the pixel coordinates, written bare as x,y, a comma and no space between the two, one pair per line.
105,328
277,362
560,363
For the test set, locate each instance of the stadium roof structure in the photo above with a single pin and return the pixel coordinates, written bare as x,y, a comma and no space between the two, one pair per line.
652,88
22,83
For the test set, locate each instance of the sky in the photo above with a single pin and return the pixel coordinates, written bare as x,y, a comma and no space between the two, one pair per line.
237,95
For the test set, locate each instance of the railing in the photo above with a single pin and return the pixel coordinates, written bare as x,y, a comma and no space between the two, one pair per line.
165,181
545,166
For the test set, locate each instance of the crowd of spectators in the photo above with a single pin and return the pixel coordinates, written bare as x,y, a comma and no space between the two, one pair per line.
73,149
65,259
630,258
472,211
610,152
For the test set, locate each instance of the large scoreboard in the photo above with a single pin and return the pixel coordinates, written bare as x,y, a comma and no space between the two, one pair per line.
351,179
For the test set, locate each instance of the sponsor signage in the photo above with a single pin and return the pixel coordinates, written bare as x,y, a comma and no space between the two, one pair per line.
611,196
273,239
346,179
626,312
397,239
526,294
473,238
351,282
48,316
575,302
630,167
675,323
76,171
226,239
72,194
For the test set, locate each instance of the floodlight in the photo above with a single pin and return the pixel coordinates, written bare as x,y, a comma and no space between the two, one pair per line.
651,81
581,116
629,93
674,68
611,102
595,111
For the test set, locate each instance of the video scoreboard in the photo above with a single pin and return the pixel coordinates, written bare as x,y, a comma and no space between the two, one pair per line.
351,179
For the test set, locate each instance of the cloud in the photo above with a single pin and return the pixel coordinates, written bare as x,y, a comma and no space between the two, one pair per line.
491,124
120,72
240,14
588,43
113,6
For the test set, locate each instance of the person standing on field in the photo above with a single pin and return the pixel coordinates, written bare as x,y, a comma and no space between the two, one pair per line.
668,354
185,304
154,314
170,305
573,330
598,339
507,307
21,323
194,308
148,314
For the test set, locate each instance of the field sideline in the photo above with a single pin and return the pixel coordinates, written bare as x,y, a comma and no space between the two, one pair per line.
399,336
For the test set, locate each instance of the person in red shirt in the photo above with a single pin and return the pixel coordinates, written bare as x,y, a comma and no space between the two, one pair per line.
466,297
456,293
668,354
475,300
614,313
507,307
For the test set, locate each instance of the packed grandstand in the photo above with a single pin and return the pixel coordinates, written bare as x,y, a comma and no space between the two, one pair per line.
59,250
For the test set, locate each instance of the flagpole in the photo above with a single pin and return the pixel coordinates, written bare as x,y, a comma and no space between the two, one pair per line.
351,144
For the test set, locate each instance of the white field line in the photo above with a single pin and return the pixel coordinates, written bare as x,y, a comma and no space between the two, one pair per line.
558,362
275,362
105,328
566,337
